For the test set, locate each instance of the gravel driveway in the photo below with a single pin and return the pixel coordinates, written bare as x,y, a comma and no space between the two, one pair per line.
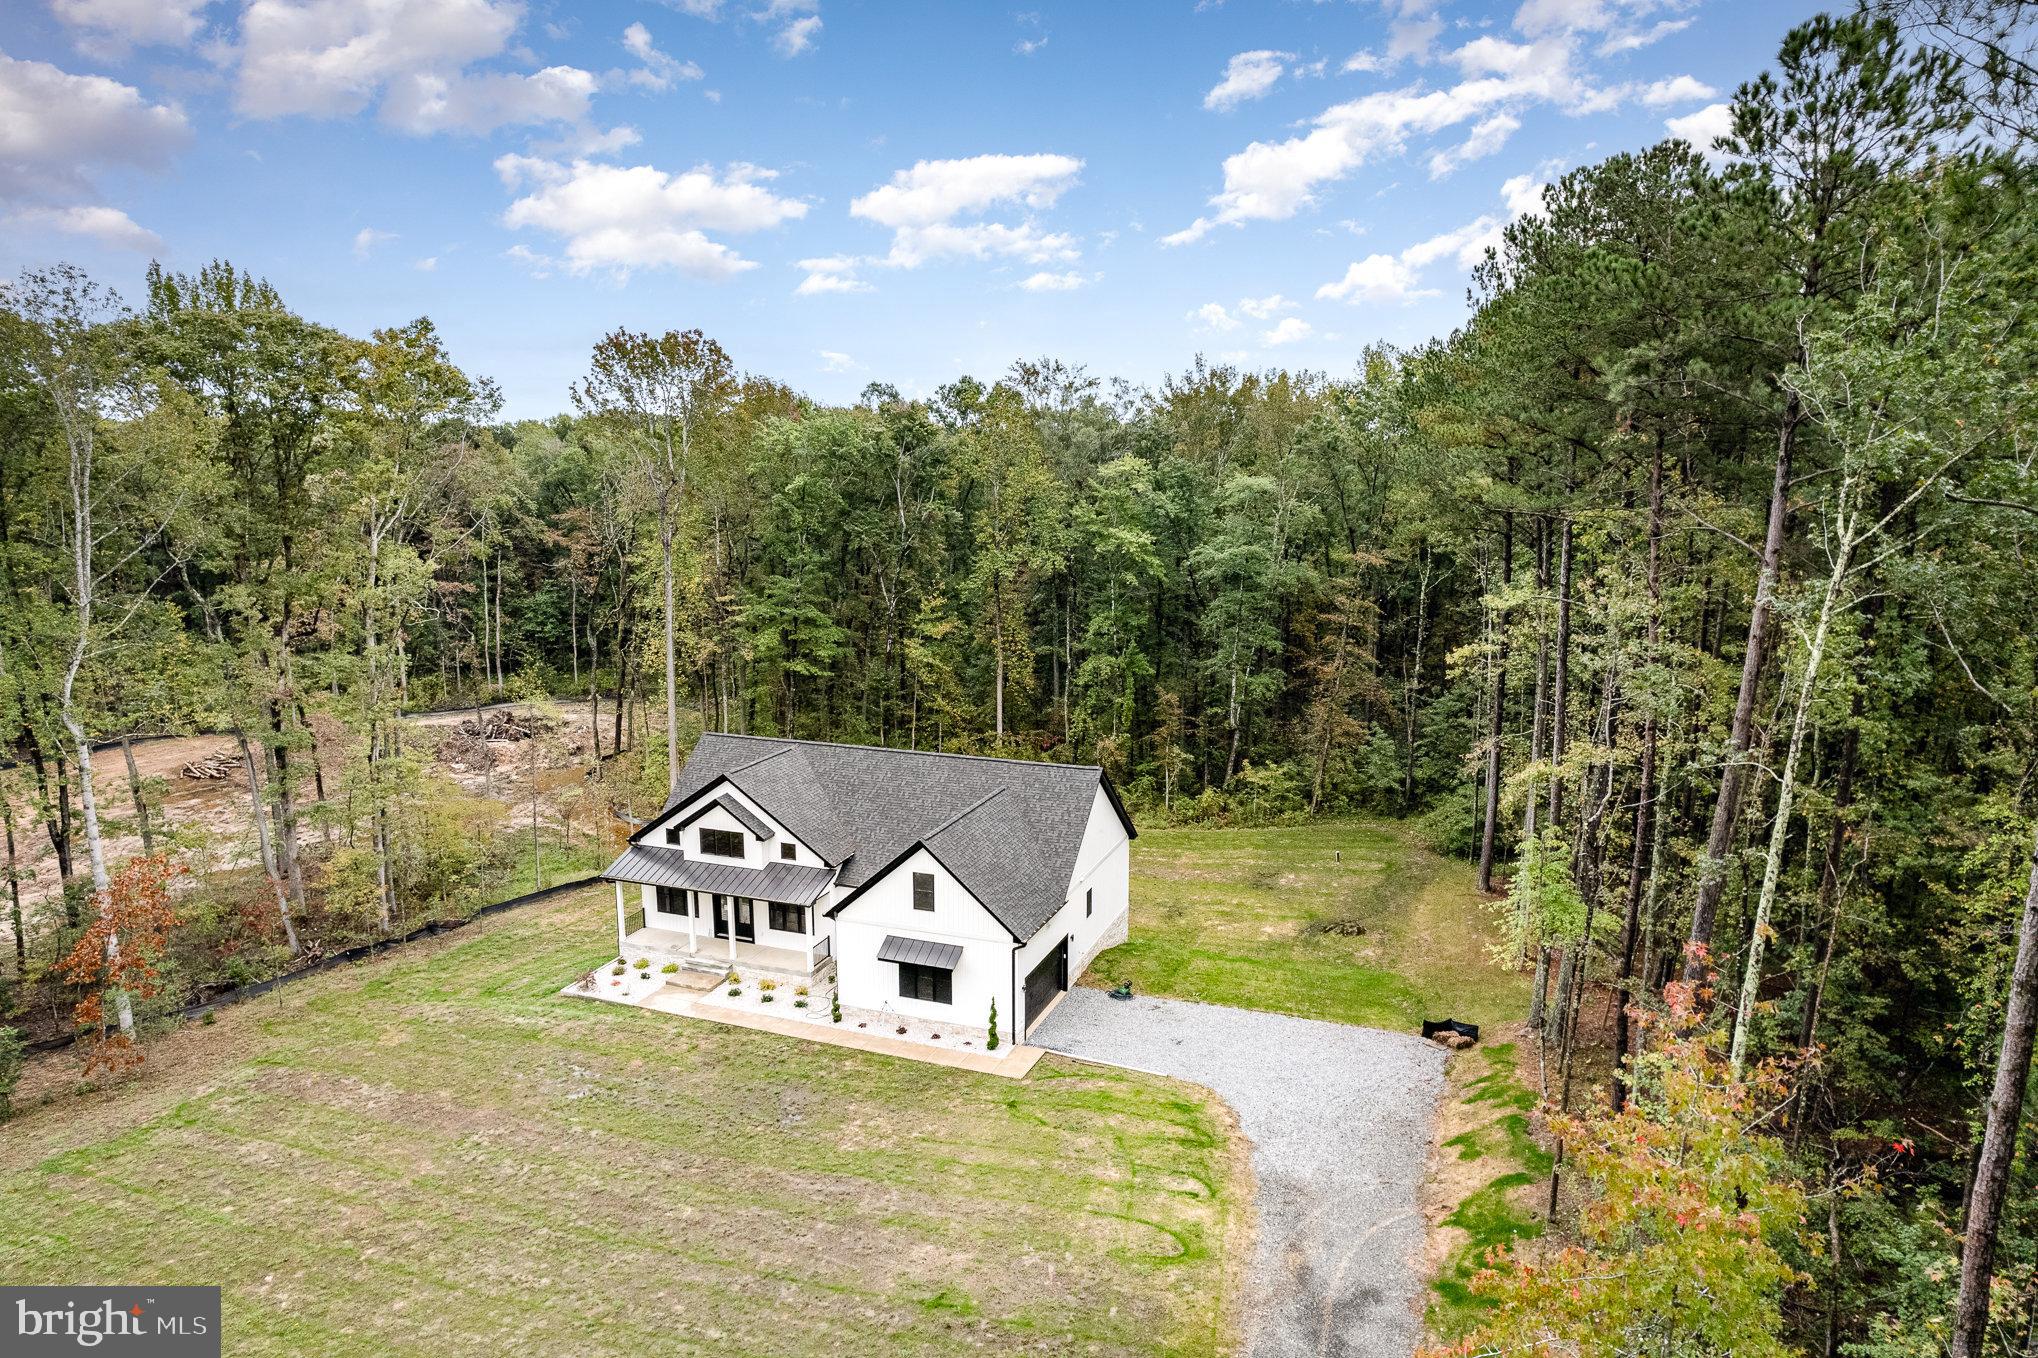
1340,1120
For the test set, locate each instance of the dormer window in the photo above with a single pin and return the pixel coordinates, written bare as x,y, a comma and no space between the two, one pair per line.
786,851
923,891
722,843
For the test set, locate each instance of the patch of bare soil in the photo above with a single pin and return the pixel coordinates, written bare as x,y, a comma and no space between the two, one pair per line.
208,814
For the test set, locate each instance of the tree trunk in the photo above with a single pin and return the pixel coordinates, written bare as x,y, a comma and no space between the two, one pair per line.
262,838
1712,867
14,888
666,530
1999,1136
134,788
1645,796
1497,724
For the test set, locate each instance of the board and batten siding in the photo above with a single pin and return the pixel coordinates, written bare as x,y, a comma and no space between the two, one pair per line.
1103,865
756,853
982,974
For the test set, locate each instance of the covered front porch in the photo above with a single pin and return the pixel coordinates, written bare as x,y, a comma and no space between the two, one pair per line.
699,951
722,916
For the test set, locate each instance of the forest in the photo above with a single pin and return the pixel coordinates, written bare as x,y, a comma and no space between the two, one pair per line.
1686,589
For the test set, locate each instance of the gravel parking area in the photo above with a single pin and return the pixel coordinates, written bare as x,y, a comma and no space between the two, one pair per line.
1340,1120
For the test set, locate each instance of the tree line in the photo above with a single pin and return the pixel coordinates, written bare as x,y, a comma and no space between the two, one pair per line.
1685,589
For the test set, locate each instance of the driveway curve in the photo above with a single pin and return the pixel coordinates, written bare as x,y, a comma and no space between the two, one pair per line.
1340,1120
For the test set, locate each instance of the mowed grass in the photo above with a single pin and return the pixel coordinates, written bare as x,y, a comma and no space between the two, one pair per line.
437,1155
1499,1213
1255,918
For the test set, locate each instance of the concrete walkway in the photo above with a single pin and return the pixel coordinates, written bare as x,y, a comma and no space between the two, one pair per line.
1340,1120
1015,1064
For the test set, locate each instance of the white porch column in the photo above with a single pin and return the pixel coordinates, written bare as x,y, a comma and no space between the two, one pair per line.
619,917
732,932
693,905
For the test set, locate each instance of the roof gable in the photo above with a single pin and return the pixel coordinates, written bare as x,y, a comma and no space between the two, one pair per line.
1009,829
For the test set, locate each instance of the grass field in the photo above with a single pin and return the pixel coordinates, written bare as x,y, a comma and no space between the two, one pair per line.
1256,918
1500,1173
437,1155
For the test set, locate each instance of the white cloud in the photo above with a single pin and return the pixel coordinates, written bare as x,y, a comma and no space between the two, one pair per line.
657,70
1682,89
834,362
922,204
1054,282
55,127
1627,40
1026,47
1397,279
622,218
938,190
698,9
1272,181
1702,127
1376,278
334,58
1249,75
1291,330
1265,308
831,273
111,27
1487,136
367,238
107,225
1212,316
429,264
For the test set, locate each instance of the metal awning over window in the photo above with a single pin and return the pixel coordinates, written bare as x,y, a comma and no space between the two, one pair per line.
919,951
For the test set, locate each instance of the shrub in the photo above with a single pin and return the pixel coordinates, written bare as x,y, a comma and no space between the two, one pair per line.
12,1058
835,1008
643,964
732,979
799,1004
799,990
735,990
767,985
669,968
991,1042
618,969
765,996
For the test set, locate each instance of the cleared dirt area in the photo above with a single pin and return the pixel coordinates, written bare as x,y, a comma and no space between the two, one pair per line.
438,1154
208,818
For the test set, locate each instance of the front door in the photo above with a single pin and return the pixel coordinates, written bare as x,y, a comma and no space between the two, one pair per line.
739,908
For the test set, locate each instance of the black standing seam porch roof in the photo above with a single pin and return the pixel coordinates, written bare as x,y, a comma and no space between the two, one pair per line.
657,865
919,951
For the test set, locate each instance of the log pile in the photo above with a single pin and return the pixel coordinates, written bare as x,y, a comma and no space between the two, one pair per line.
469,742
218,764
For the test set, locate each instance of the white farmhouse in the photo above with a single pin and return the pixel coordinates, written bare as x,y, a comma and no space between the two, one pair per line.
931,885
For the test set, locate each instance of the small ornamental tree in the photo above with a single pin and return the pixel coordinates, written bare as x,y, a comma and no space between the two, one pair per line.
116,955
1682,1246
991,1042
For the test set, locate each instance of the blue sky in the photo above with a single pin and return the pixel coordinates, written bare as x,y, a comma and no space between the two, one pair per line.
840,191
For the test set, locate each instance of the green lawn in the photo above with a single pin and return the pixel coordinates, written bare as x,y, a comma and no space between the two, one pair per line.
437,1155
1254,918
1504,1160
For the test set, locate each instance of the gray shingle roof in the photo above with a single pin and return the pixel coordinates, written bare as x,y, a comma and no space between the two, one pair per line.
1009,829
747,818
657,865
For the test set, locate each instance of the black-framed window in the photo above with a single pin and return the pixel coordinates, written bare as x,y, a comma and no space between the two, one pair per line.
791,919
923,892
786,850
671,900
1089,900
722,843
936,985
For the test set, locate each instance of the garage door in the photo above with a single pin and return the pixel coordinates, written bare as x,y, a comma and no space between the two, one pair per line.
1046,981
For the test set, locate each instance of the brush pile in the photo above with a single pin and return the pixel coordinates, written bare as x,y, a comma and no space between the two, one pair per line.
218,764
